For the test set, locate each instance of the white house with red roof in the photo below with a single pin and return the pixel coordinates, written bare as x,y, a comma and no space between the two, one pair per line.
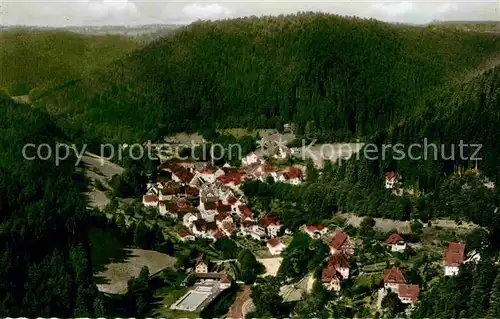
331,278
341,243
394,280
275,246
245,213
315,231
391,180
150,200
396,242
269,223
408,294
293,176
453,258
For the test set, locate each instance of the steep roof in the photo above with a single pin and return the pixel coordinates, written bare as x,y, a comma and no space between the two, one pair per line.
150,198
454,254
390,175
182,173
393,239
268,220
394,276
339,261
329,273
273,242
409,291
338,240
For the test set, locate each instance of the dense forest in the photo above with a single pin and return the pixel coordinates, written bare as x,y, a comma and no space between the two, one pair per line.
45,258
41,59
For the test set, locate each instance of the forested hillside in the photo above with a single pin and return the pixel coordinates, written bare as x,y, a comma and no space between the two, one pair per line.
344,76
41,59
45,269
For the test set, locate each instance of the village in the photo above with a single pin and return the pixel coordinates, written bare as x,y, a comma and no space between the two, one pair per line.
208,203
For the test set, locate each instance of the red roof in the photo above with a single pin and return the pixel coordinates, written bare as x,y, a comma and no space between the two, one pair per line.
273,242
245,211
409,291
150,198
182,173
390,175
234,177
454,254
293,172
268,220
221,216
338,261
338,240
394,276
329,273
393,239
231,200
314,228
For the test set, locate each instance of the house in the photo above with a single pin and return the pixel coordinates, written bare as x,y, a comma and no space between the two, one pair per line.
315,231
331,278
293,176
270,224
408,294
393,278
453,258
169,190
391,180
275,246
186,236
222,208
201,265
232,179
181,175
150,200
228,228
340,262
208,210
341,243
223,217
250,159
396,242
245,213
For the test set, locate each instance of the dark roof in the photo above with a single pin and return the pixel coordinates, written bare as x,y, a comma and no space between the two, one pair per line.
182,173
339,261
